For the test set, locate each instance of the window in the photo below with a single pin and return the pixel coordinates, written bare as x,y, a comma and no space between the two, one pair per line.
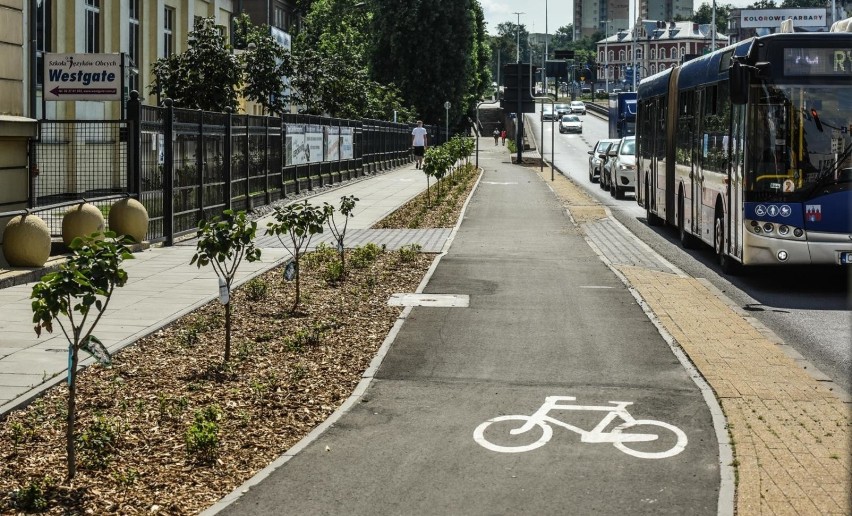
93,26
621,55
662,53
168,32
43,29
279,17
134,48
653,53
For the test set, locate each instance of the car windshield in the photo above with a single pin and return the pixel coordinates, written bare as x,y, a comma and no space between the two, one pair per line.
577,103
603,147
570,118
627,147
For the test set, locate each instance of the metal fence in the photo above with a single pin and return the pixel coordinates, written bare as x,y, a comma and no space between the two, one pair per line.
188,165
77,160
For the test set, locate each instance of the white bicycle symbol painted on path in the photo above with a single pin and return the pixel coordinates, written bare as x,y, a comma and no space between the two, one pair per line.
618,436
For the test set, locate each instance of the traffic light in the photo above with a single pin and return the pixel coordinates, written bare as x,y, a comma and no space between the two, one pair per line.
517,81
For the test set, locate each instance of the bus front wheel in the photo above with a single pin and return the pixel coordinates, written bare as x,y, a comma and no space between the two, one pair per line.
726,263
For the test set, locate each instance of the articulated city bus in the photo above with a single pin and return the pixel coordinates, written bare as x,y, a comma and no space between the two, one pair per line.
747,149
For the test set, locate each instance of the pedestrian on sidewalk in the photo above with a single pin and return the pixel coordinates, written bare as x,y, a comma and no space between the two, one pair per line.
419,141
496,136
503,136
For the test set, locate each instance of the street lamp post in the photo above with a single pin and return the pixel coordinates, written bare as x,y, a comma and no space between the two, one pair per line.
606,56
518,37
447,121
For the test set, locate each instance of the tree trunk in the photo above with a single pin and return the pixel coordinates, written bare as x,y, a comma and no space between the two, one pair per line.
70,444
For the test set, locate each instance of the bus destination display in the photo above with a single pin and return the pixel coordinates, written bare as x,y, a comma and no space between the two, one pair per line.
818,61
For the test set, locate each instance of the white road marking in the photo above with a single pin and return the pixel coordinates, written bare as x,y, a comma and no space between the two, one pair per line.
433,300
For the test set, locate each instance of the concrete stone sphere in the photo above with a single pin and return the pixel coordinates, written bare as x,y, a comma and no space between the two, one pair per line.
129,217
82,220
26,241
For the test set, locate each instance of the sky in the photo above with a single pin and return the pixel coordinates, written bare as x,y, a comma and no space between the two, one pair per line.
559,12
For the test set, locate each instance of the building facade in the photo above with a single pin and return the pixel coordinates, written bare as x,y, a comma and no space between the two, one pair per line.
657,46
592,16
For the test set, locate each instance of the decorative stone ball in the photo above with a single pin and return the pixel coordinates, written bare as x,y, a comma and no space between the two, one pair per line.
129,217
82,220
26,241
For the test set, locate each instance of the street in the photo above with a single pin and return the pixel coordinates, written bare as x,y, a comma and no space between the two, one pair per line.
807,307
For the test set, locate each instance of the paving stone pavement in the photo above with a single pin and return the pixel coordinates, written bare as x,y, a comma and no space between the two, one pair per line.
791,434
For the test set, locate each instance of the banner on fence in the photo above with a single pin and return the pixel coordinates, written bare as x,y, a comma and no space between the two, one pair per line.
332,143
296,148
83,76
314,139
347,150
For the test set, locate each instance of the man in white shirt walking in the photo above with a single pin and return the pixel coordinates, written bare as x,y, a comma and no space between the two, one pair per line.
419,140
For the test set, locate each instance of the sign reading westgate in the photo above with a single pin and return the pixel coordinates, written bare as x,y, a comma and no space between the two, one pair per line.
82,77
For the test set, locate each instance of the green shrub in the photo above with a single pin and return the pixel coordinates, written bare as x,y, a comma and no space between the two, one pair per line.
33,496
362,257
333,272
256,289
320,256
408,253
202,437
97,443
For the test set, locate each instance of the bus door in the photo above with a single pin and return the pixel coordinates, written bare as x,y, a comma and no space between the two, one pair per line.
689,142
735,183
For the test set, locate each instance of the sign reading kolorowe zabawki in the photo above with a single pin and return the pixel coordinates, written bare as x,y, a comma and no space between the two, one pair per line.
82,77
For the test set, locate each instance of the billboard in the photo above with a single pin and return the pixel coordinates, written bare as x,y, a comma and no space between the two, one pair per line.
772,18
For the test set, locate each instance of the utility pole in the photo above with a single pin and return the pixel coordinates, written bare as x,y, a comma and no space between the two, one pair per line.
713,28
518,37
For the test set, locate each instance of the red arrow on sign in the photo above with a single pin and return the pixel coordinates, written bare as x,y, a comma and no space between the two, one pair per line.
82,91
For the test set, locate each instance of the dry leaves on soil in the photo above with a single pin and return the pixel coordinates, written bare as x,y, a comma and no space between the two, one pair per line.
170,392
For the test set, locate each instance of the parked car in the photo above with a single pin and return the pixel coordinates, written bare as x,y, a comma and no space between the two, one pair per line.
562,109
597,158
621,168
547,112
578,106
570,124
611,154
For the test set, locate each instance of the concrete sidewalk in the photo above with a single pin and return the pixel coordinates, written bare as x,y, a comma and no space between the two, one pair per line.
162,286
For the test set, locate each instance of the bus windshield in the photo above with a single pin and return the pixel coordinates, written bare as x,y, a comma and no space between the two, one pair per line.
799,143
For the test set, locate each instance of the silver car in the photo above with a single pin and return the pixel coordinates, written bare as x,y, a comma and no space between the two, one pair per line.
622,168
597,158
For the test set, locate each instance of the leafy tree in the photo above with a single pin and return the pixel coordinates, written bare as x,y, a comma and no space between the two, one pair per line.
801,4
563,38
300,222
763,4
426,47
347,205
266,64
436,162
224,243
206,76
704,15
86,280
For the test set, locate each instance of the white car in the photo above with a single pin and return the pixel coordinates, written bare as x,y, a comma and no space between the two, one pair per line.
570,124
621,168
547,113
578,106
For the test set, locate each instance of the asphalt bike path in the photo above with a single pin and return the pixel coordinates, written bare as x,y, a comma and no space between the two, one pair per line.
432,433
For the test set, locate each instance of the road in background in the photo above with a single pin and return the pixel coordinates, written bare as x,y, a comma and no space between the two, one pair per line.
807,307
